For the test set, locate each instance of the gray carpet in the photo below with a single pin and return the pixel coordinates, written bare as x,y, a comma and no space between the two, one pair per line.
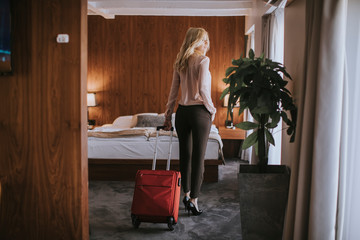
110,203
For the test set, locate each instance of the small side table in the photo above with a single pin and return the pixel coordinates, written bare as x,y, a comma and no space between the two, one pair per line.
232,140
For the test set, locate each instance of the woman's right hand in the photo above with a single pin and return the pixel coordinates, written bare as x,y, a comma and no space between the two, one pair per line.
167,124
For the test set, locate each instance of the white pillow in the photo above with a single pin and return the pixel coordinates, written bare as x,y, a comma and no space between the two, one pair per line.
125,122
150,114
108,125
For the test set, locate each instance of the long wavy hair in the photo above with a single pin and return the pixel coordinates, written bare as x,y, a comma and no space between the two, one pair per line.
193,39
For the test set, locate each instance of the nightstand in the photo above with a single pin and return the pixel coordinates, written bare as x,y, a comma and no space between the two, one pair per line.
232,140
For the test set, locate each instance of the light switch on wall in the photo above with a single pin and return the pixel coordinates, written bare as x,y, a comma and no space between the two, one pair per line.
62,38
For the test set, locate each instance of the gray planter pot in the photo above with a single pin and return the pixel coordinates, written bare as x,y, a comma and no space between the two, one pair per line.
263,199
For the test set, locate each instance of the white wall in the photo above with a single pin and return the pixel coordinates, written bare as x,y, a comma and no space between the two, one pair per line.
258,10
294,51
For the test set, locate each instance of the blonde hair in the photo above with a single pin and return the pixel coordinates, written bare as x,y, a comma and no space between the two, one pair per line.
193,39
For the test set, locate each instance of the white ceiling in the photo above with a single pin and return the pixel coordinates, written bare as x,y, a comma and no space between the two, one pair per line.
111,8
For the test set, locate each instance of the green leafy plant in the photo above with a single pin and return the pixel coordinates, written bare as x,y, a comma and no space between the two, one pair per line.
259,85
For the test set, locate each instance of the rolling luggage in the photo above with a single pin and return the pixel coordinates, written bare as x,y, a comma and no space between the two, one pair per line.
157,193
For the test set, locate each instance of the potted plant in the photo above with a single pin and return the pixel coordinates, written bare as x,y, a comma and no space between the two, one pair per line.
259,85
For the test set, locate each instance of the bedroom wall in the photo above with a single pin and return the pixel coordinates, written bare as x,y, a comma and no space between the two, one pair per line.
254,20
131,60
43,141
295,41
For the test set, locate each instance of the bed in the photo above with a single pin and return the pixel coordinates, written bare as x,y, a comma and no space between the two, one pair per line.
116,151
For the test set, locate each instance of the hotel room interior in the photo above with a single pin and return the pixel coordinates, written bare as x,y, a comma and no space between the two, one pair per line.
123,51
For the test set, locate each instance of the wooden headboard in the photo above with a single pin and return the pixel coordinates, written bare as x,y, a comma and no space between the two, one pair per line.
130,60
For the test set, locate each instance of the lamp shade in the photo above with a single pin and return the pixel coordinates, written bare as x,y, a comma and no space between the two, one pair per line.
91,100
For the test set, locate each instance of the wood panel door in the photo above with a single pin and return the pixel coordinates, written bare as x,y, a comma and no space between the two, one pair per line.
43,140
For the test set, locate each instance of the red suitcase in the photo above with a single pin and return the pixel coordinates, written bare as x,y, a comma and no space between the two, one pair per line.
157,193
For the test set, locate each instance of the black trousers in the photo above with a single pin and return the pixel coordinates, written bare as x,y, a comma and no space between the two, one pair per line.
192,125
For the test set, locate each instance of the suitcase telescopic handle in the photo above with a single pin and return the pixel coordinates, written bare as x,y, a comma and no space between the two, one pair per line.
156,145
163,127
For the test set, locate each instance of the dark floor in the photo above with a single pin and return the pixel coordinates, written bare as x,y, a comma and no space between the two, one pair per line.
110,203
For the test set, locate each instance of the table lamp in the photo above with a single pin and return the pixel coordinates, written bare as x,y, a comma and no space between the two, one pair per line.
91,102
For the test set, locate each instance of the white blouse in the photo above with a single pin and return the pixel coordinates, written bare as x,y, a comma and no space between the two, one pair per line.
195,83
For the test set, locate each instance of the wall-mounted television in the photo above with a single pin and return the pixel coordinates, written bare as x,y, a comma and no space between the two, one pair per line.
5,37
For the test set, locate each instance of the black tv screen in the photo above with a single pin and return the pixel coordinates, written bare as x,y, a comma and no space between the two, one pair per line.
5,37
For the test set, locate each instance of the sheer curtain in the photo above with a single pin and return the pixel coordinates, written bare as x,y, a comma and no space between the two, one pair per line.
323,198
273,48
349,191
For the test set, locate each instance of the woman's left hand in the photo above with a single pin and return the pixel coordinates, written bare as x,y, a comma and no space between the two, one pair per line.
167,124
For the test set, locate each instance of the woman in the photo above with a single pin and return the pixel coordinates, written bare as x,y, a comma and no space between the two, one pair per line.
195,112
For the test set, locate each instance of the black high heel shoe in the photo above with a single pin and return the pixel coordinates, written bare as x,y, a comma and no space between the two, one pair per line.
191,207
186,200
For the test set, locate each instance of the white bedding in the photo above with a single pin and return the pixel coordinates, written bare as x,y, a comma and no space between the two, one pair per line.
141,146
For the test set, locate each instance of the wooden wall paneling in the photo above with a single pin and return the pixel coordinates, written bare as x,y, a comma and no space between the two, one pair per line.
165,63
14,121
124,69
144,63
111,62
229,49
95,80
44,195
115,81
139,61
240,31
220,60
83,231
172,37
217,55
149,75
227,46
154,67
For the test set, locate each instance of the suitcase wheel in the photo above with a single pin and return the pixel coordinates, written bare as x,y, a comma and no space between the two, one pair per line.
171,223
135,221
